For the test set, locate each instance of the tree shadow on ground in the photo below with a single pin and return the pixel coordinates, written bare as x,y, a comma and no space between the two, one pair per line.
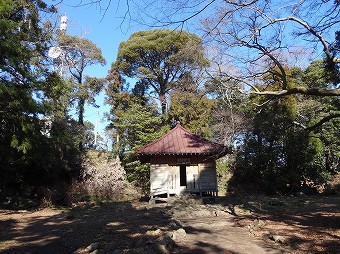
309,224
124,227
114,225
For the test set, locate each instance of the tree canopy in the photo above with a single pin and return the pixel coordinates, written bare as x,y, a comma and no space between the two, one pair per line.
157,58
30,100
190,105
251,39
78,54
39,142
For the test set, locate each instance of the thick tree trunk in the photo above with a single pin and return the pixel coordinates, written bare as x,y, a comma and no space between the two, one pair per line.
81,105
162,100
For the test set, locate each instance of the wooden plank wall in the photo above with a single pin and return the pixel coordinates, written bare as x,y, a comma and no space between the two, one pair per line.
208,178
159,179
164,179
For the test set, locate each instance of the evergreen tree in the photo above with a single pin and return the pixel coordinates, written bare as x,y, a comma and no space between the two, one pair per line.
30,100
136,123
158,58
190,106
79,53
279,155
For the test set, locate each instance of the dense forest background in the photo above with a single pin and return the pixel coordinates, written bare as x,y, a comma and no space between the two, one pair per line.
243,84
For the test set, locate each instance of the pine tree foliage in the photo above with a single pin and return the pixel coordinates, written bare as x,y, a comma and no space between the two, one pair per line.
158,58
78,54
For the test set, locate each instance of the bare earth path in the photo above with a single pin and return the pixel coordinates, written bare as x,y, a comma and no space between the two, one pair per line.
311,225
220,235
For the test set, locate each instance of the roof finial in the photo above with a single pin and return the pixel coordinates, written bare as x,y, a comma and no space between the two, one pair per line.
175,123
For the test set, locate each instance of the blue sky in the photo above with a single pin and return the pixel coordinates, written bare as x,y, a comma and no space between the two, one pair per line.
106,31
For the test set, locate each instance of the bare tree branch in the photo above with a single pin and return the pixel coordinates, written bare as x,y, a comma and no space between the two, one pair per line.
311,30
300,90
319,123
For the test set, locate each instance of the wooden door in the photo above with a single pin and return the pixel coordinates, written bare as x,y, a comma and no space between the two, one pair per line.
192,178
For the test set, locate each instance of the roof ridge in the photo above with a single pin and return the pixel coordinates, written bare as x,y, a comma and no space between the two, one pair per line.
200,137
160,138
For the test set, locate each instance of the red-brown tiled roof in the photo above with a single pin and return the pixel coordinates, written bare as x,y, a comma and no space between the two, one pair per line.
181,141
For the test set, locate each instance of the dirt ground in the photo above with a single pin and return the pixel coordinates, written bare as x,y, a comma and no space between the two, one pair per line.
234,224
